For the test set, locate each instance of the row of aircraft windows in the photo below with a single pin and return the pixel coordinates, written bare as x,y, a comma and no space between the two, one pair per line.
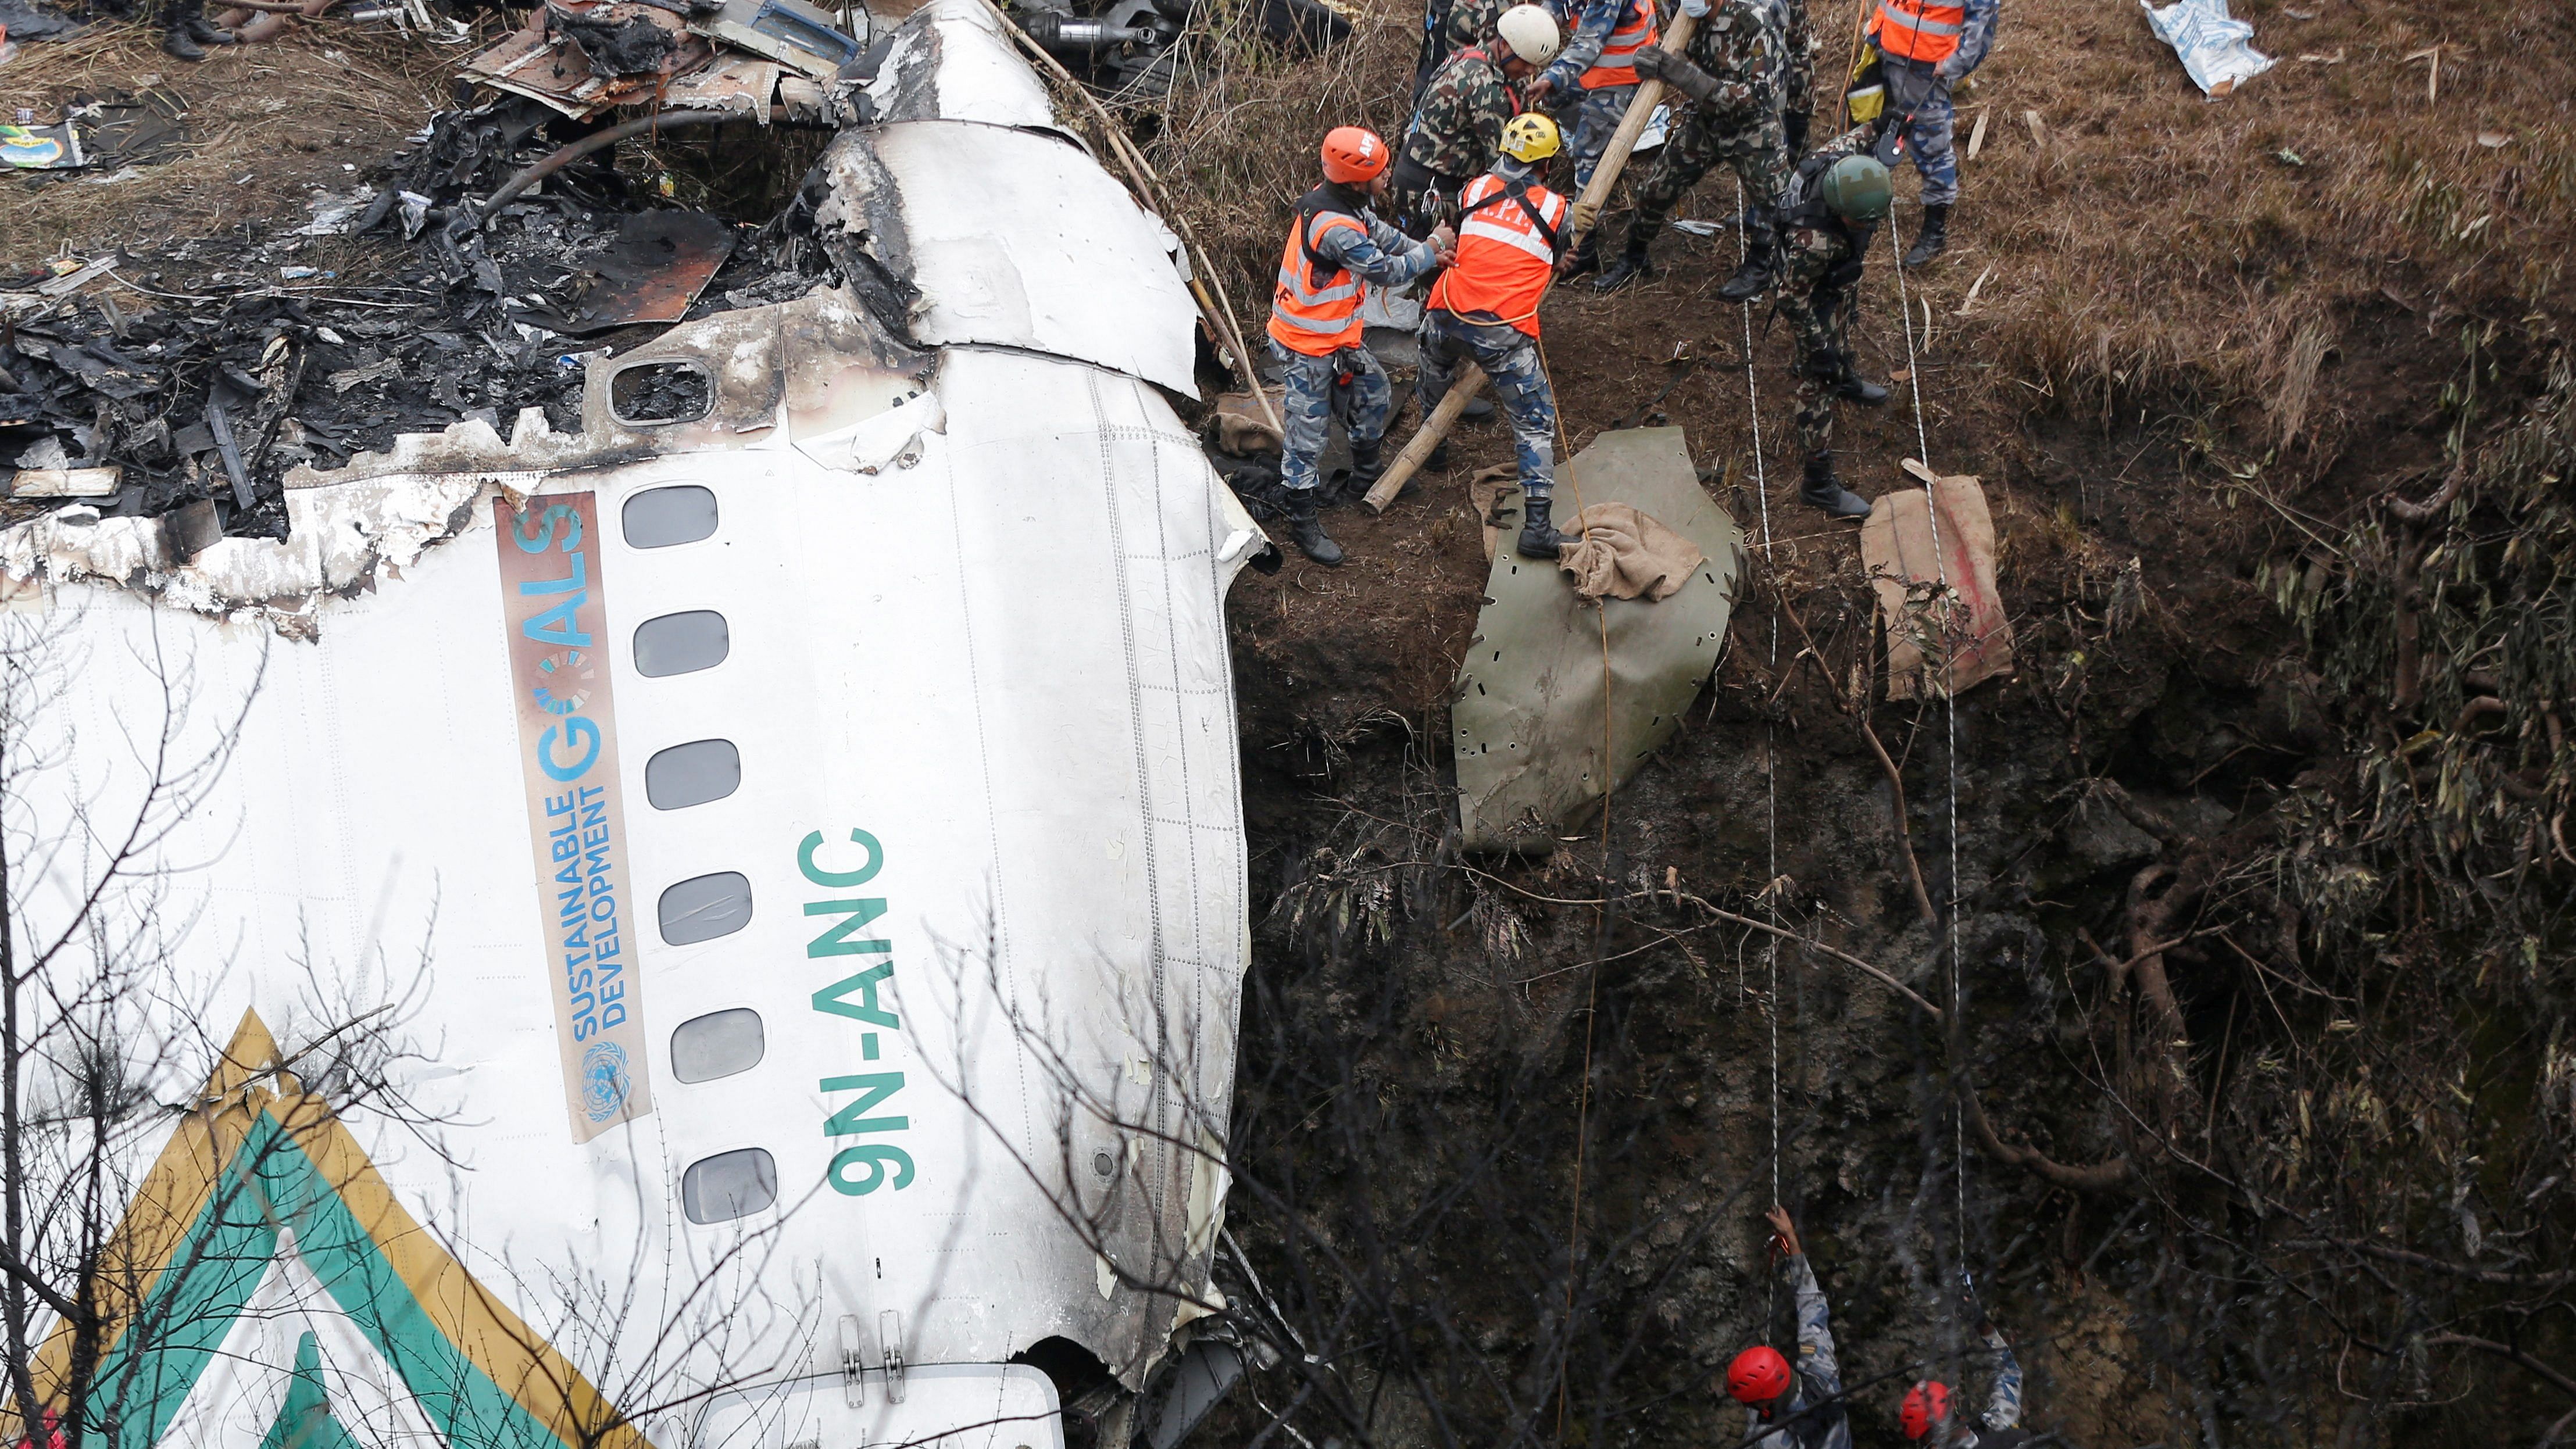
739,1183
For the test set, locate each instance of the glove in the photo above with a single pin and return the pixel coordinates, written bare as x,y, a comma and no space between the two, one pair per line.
1677,73
1584,214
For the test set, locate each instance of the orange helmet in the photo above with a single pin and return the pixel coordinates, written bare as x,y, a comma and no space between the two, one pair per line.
1758,1375
1926,1405
1354,154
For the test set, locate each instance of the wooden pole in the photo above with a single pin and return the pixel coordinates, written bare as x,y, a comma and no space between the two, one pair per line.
1641,109
1470,381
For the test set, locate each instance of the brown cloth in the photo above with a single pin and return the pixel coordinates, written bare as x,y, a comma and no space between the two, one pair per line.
1623,553
1938,643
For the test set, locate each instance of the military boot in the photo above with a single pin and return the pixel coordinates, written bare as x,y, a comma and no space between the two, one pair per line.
1307,531
1367,466
1633,264
1539,538
1823,490
179,45
1848,383
1933,240
207,32
1753,274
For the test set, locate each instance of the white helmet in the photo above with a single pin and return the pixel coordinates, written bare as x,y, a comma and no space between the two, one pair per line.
1531,33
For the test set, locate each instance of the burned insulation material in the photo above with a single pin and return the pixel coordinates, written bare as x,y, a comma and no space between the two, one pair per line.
618,40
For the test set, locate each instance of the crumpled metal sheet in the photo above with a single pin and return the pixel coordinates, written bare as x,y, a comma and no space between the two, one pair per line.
657,266
1012,239
1526,718
950,62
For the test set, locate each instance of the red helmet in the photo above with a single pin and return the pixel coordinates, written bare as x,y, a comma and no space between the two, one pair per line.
1758,1375
1354,154
1926,1405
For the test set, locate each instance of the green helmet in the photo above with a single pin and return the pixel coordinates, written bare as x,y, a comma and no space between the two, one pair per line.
1856,188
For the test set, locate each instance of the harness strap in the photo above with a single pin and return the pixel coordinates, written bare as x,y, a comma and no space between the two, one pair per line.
1517,191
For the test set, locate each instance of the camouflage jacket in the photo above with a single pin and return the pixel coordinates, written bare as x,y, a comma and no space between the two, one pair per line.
1457,131
1469,22
1744,44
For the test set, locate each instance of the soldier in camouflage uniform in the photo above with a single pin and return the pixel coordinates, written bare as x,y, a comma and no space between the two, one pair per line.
1797,75
1828,214
1457,130
1732,73
1450,28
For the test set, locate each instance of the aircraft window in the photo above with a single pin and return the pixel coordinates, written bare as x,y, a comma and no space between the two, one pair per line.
692,774
729,1185
661,517
704,907
681,643
649,394
718,1044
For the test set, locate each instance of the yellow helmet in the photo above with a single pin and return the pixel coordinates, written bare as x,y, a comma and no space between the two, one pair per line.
1530,137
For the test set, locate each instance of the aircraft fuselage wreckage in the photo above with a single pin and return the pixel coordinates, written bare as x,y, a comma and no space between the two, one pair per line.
785,843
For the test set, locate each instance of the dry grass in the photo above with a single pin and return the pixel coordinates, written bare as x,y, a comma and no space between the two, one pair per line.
267,123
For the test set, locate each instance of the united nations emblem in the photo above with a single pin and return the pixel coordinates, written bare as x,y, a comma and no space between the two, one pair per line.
604,1080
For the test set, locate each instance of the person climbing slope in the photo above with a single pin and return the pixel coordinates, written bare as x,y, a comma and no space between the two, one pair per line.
1927,1414
1800,1407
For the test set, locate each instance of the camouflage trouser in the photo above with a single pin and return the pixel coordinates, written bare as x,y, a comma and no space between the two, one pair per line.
1509,358
1818,282
1755,148
1308,409
1588,133
1912,90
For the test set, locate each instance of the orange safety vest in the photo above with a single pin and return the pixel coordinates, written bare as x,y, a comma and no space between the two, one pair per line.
1506,255
1618,63
1915,30
1316,312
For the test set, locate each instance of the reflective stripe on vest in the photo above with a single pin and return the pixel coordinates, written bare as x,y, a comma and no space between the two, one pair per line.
1918,31
1618,63
1312,315
1504,260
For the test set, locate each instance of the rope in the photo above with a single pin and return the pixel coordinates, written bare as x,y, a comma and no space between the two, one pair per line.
1592,976
1950,752
1770,743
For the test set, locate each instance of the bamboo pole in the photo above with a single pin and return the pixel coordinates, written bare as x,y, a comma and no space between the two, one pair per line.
1470,381
1641,109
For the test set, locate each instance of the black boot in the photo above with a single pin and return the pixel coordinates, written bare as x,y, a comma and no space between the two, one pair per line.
176,43
1367,466
1539,538
1633,264
1933,240
1307,531
1439,459
1850,384
1754,272
207,32
1825,491
1586,258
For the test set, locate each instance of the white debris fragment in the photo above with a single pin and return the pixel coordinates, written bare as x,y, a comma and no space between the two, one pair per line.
2215,46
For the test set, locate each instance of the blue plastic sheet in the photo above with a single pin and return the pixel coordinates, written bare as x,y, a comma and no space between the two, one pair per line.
2215,47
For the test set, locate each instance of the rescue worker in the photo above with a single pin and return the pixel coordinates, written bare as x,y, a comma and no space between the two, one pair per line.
1337,249
1485,308
1589,88
185,30
1830,211
1786,1407
1450,26
1731,73
1926,47
1457,131
1926,1411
